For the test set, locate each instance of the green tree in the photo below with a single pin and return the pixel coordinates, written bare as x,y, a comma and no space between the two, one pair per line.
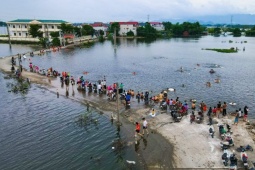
66,28
217,31
54,34
89,30
34,30
55,41
147,31
251,32
237,32
101,32
130,33
113,26
168,26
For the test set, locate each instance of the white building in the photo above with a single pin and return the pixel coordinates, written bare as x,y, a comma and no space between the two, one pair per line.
100,26
157,25
126,27
19,28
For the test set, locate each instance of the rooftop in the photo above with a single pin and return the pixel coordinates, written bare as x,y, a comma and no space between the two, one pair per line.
39,20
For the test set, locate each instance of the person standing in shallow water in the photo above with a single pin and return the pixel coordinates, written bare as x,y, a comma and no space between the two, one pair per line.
145,126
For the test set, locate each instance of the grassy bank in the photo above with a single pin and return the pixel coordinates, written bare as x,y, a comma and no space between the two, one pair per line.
231,50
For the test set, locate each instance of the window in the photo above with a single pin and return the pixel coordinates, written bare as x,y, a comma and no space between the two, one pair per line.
13,26
52,26
26,34
25,26
14,34
45,26
19,34
19,26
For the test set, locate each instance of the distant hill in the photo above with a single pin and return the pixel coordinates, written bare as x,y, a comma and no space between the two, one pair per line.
242,19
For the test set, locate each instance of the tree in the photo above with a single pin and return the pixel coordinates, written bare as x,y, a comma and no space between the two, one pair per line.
130,33
251,32
89,30
217,31
237,32
147,31
168,26
66,28
101,32
54,34
55,41
34,31
116,26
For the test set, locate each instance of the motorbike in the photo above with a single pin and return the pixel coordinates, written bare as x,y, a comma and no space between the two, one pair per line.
233,162
163,105
176,116
246,148
229,128
224,158
244,158
222,132
200,117
211,131
227,143
192,117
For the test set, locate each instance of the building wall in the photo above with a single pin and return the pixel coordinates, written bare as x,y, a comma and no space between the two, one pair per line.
21,29
126,28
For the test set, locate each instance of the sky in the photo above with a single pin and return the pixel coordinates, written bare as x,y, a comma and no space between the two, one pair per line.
120,10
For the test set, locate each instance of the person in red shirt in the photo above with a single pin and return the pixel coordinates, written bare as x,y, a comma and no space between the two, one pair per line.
137,129
214,110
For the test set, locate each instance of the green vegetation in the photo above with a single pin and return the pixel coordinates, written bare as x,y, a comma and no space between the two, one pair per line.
251,32
147,31
19,86
34,31
184,29
70,29
231,50
101,38
116,26
130,33
236,32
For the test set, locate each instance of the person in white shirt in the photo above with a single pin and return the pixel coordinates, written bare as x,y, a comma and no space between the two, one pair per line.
99,88
145,126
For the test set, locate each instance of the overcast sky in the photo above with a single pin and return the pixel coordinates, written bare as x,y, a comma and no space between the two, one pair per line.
120,10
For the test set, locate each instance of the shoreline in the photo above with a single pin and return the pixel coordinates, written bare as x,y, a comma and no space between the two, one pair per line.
192,145
101,104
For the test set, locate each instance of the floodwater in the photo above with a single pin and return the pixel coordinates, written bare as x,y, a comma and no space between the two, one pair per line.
39,131
155,66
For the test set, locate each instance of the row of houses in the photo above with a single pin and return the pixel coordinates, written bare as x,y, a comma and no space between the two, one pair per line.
20,27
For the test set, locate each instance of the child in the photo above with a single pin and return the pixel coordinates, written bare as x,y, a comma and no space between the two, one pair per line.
137,129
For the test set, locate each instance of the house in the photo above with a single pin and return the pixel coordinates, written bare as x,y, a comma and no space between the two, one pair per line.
100,26
20,27
157,25
125,27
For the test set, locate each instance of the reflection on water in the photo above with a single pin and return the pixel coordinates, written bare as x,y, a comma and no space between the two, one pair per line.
40,131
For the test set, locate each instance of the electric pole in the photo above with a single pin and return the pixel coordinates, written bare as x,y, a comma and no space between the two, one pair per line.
9,38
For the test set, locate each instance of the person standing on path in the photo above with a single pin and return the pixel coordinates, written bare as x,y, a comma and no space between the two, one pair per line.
218,109
224,107
137,129
245,111
145,126
236,117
